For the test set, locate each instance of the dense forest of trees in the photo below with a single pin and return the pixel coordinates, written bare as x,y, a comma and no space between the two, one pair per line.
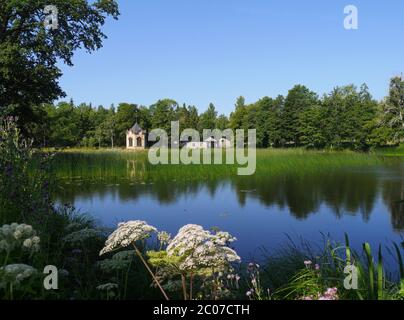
347,117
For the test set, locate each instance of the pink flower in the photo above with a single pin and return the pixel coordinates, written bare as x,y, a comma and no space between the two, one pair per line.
331,291
308,263
330,294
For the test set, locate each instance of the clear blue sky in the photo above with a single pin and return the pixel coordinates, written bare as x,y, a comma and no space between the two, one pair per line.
201,51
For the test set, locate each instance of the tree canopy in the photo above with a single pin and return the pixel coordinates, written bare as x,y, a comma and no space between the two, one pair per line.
29,52
347,117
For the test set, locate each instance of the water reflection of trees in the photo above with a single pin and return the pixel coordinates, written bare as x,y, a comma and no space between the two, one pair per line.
393,195
303,195
343,192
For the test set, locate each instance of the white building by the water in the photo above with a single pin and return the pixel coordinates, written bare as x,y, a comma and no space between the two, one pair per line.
136,138
209,143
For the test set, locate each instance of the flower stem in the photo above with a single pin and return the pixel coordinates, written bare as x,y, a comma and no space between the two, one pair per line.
151,273
191,279
184,287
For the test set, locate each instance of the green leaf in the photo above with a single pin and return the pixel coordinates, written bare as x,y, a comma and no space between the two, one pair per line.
380,277
371,268
348,249
400,260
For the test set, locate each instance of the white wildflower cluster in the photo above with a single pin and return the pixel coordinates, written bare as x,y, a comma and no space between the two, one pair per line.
15,274
82,235
18,236
126,234
187,239
223,238
199,249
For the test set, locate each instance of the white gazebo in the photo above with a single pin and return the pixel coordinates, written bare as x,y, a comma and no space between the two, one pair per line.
136,138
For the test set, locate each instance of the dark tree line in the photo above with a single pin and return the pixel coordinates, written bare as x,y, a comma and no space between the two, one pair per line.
347,117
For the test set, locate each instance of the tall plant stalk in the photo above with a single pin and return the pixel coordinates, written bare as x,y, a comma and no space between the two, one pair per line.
151,273
184,287
191,279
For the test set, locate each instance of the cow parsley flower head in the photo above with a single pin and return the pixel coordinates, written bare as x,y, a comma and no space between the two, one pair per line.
126,234
15,274
18,236
189,237
200,249
27,243
223,238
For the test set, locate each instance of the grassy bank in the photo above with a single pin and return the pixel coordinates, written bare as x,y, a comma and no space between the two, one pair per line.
392,151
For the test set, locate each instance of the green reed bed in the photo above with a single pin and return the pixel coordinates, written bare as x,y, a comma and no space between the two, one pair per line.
117,166
392,151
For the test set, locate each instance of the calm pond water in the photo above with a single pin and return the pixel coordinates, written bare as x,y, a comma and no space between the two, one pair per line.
261,210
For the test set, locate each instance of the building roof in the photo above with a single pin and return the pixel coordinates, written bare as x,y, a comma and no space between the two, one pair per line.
136,128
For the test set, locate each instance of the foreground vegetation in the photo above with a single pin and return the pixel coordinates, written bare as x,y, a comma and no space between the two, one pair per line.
140,262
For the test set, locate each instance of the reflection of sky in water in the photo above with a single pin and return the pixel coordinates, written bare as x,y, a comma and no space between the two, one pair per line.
254,223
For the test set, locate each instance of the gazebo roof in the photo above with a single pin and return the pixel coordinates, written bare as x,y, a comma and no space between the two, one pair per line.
136,128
